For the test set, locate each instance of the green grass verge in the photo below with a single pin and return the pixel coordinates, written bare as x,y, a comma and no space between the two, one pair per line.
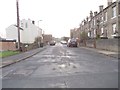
8,53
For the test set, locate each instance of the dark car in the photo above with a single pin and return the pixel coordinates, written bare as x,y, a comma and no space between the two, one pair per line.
52,43
72,43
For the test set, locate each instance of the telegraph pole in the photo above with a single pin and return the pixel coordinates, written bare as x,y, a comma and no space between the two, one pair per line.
17,5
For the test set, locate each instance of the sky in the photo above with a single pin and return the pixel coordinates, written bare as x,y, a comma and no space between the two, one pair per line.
58,16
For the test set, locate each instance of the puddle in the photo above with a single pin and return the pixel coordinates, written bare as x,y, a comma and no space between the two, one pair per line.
58,85
62,66
68,66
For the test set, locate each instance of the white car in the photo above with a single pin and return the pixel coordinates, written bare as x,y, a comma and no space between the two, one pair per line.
63,42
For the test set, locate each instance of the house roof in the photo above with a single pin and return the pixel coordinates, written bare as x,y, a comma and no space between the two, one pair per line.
7,40
19,27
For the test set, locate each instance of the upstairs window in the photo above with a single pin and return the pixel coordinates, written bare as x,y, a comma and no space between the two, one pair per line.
105,16
94,21
21,24
113,11
101,19
26,25
119,8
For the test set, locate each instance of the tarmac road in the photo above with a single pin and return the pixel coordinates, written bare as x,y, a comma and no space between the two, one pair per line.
60,66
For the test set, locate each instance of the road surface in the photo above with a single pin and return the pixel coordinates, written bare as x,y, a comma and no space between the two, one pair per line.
62,67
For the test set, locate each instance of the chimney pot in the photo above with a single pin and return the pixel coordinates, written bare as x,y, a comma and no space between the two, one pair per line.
109,2
101,8
87,18
91,14
95,13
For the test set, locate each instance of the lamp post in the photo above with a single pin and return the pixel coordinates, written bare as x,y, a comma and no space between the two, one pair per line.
41,39
17,6
38,23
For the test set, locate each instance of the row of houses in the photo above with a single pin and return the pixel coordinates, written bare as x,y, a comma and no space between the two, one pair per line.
104,24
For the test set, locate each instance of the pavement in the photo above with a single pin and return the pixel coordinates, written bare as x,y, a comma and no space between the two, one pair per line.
22,56
19,57
105,52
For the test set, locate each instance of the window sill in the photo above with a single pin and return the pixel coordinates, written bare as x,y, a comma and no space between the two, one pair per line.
105,21
113,17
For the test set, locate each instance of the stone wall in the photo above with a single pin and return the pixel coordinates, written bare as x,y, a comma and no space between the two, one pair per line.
90,43
104,44
108,44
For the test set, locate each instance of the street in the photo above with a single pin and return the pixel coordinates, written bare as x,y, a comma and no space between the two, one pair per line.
60,66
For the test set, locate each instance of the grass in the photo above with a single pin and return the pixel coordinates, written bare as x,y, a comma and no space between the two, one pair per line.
7,53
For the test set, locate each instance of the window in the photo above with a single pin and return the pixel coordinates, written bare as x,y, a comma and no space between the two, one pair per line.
114,28
26,25
21,24
89,34
102,32
119,8
101,19
94,22
105,16
91,25
94,32
114,11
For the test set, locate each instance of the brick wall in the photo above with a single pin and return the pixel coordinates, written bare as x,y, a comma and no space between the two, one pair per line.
5,46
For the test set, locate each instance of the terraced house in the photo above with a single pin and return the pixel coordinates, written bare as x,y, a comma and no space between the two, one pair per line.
105,23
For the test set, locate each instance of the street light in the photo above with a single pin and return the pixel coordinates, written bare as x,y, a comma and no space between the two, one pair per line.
38,23
41,41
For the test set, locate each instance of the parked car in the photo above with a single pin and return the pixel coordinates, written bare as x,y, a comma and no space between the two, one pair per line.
52,43
63,42
72,43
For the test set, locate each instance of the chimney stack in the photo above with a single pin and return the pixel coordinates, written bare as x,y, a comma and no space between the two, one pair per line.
101,8
87,19
84,21
91,14
95,13
109,2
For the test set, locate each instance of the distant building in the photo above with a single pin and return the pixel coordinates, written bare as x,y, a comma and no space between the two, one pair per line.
28,31
75,33
105,23
47,38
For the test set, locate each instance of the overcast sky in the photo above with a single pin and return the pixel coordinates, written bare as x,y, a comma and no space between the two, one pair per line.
58,16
